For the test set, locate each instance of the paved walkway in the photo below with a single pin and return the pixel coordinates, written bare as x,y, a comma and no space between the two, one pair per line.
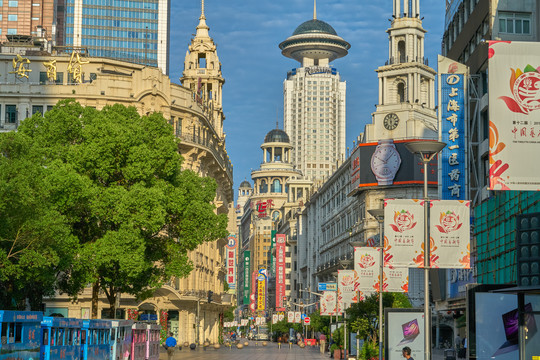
254,351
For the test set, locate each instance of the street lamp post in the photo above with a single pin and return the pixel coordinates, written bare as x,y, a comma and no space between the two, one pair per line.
379,215
426,151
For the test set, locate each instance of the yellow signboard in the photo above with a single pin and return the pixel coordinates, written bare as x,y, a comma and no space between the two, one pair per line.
261,294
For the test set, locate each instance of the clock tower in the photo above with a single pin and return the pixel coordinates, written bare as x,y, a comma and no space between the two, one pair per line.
406,106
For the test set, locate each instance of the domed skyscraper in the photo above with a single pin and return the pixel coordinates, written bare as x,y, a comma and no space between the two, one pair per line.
314,98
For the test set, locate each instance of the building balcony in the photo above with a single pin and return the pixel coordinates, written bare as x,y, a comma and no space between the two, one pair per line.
407,59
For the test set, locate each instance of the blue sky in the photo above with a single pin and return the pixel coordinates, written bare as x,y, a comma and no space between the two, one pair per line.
247,34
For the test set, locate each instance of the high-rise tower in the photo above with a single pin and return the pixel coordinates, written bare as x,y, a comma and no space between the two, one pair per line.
314,98
133,31
406,107
202,73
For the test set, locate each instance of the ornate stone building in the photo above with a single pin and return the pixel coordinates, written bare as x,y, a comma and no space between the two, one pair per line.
35,83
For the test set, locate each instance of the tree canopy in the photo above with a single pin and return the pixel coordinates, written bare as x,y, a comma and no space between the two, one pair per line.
112,181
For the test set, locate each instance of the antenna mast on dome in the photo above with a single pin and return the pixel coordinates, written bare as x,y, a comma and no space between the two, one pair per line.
202,8
314,9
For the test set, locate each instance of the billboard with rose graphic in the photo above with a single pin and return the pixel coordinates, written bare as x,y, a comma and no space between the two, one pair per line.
514,110
367,267
450,229
328,303
404,233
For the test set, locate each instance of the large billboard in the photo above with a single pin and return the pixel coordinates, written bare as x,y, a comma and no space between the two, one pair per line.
387,163
453,112
247,272
404,327
514,113
280,271
231,246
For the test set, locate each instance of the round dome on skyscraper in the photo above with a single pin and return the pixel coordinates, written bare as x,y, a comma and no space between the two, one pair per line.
314,26
277,135
314,39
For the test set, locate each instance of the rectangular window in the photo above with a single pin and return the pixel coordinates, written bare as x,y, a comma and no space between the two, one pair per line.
11,114
37,109
13,3
60,78
42,77
514,23
49,107
12,31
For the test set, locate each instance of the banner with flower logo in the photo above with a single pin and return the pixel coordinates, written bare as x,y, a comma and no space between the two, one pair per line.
367,267
404,233
450,228
328,303
514,110
346,293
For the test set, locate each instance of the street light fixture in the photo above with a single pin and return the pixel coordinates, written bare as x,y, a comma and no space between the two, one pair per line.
426,151
379,215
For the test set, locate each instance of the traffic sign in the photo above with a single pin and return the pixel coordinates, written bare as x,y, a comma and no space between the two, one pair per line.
327,286
307,320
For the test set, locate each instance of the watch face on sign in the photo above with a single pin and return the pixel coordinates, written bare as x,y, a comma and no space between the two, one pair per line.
391,121
385,162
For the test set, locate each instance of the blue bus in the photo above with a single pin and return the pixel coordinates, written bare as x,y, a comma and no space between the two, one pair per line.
121,337
96,339
20,334
61,338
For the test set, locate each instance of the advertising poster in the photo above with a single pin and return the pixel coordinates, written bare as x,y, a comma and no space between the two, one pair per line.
247,282
514,110
404,327
346,294
275,318
497,329
367,267
280,271
231,261
328,303
450,229
404,233
452,130
281,316
290,317
298,317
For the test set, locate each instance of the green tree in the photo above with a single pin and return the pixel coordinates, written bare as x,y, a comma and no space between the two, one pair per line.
35,243
116,178
320,323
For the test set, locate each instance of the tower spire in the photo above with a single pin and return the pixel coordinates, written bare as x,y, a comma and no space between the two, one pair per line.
314,9
277,117
202,8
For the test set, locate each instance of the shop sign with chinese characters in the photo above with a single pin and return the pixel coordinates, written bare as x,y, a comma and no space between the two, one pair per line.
231,261
453,156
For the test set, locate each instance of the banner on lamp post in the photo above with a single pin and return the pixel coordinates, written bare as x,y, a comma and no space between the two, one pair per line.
329,303
367,267
298,317
404,233
290,317
231,261
275,318
346,294
450,229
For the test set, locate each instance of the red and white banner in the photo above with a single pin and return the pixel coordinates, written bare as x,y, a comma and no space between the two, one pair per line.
329,303
280,271
244,322
298,317
346,293
450,229
275,318
404,233
367,267
290,317
514,110
281,316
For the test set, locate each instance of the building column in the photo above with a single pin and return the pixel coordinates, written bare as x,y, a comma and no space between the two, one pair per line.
380,91
406,8
398,8
410,88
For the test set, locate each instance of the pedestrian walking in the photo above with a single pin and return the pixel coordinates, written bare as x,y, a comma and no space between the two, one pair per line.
170,344
322,342
407,353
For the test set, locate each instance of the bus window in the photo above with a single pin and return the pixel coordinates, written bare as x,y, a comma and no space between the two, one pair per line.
11,332
113,335
83,337
53,336
70,337
76,336
3,333
45,336
60,333
94,339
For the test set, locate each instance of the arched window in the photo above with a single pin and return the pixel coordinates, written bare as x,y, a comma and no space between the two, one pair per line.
276,186
263,187
401,51
401,92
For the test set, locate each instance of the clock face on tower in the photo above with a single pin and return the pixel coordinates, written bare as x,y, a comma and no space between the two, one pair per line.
385,162
391,121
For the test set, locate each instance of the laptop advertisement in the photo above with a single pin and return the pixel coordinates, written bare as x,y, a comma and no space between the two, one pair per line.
404,327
